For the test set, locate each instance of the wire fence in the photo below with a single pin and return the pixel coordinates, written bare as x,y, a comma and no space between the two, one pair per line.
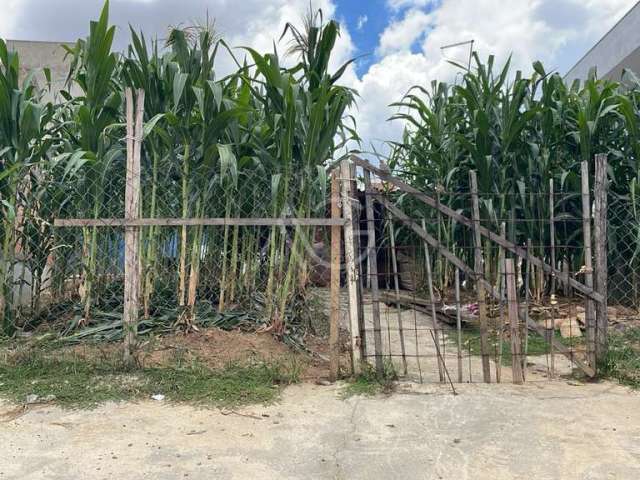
434,322
213,250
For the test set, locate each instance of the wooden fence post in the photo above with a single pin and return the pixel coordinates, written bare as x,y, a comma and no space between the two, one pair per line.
516,344
600,237
478,268
334,322
590,320
458,324
372,258
132,233
351,267
552,235
432,300
396,288
356,206
500,286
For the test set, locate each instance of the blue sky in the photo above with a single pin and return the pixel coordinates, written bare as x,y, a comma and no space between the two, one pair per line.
366,21
401,40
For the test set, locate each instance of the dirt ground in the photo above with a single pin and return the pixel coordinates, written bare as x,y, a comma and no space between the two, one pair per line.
217,349
555,430
545,429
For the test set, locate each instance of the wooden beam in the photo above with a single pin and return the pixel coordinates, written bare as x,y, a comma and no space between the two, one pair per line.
552,233
372,261
600,188
356,206
434,319
334,322
478,267
590,313
485,232
352,268
177,222
396,288
442,250
132,233
516,342
459,325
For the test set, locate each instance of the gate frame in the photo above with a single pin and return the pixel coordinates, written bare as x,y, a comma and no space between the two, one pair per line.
593,295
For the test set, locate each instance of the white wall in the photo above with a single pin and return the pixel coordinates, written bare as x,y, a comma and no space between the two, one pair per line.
618,49
35,56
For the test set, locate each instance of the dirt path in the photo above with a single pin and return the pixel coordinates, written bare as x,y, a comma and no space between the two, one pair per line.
544,431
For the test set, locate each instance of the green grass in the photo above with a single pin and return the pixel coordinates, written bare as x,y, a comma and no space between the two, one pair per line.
369,383
83,383
537,345
623,358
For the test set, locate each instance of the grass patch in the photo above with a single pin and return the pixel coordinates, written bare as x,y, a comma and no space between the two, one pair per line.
623,358
369,382
85,383
537,345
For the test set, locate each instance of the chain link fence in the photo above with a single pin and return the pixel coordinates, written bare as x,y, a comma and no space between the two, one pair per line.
426,323
210,253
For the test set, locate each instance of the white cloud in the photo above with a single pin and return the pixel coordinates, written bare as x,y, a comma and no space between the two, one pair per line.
9,9
242,22
254,23
557,32
399,4
386,82
362,20
401,34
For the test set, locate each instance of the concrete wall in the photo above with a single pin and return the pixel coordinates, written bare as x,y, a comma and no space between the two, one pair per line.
35,56
618,49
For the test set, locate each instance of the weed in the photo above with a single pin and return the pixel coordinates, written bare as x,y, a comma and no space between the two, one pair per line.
370,383
622,362
83,382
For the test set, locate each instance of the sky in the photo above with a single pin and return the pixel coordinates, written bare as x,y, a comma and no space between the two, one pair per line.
397,43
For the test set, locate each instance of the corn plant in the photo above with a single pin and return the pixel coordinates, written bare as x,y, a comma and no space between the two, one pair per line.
519,133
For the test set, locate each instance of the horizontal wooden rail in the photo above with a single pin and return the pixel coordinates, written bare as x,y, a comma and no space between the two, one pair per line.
178,222
485,232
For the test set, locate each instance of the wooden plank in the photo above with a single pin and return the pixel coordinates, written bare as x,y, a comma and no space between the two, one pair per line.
552,234
372,259
478,269
590,318
334,322
434,318
485,232
396,288
177,222
500,285
132,233
458,325
516,342
351,267
441,249
457,262
355,205
600,239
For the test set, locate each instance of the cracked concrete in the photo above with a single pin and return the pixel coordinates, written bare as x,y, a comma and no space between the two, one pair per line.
550,430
